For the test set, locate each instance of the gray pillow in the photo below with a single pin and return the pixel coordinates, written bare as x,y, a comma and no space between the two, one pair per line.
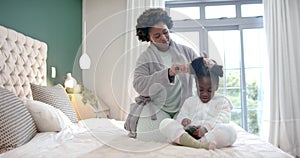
55,96
16,124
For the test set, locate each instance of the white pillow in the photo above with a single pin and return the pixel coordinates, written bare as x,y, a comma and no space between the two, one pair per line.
47,118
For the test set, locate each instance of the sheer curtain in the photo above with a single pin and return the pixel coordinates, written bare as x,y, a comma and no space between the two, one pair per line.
133,47
282,23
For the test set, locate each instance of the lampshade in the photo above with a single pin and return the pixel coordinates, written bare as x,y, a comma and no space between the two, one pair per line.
84,61
70,82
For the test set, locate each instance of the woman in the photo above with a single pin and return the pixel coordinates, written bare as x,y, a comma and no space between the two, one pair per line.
160,77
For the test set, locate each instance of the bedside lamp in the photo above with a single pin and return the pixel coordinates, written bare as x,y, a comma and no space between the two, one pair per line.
71,84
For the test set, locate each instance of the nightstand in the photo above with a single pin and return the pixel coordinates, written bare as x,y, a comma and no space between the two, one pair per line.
85,111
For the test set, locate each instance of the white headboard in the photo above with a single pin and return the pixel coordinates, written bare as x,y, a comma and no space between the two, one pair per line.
22,61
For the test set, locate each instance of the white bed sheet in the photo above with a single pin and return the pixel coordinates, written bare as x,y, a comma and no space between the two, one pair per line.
106,138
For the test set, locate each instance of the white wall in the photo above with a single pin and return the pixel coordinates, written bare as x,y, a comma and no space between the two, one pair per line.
105,29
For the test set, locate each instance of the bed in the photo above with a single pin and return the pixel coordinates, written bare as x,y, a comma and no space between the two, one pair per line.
57,133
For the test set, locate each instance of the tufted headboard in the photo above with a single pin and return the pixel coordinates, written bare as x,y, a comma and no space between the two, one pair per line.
22,61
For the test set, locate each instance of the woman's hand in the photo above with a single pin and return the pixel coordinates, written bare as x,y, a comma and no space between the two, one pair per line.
177,69
207,62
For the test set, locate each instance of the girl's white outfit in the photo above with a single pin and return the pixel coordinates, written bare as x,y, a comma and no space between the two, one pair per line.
214,116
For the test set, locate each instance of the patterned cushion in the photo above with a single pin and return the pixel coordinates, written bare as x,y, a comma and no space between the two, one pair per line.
16,124
55,96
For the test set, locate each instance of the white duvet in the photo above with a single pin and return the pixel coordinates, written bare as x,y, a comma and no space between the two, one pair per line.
107,138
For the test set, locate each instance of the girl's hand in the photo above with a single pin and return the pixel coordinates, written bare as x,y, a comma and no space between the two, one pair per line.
200,131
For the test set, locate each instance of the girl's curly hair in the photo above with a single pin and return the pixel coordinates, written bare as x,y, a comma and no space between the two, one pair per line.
200,70
149,18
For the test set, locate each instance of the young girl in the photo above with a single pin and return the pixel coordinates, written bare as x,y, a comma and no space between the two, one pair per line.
208,114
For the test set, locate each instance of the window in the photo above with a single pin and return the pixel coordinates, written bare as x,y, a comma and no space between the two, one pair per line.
190,39
248,10
185,13
220,11
232,33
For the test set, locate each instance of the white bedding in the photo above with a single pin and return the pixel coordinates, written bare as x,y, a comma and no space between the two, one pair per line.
107,138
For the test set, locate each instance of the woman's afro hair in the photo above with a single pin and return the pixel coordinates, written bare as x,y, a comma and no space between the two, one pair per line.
149,18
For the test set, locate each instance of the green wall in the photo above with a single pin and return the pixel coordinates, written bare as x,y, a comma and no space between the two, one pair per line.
56,22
